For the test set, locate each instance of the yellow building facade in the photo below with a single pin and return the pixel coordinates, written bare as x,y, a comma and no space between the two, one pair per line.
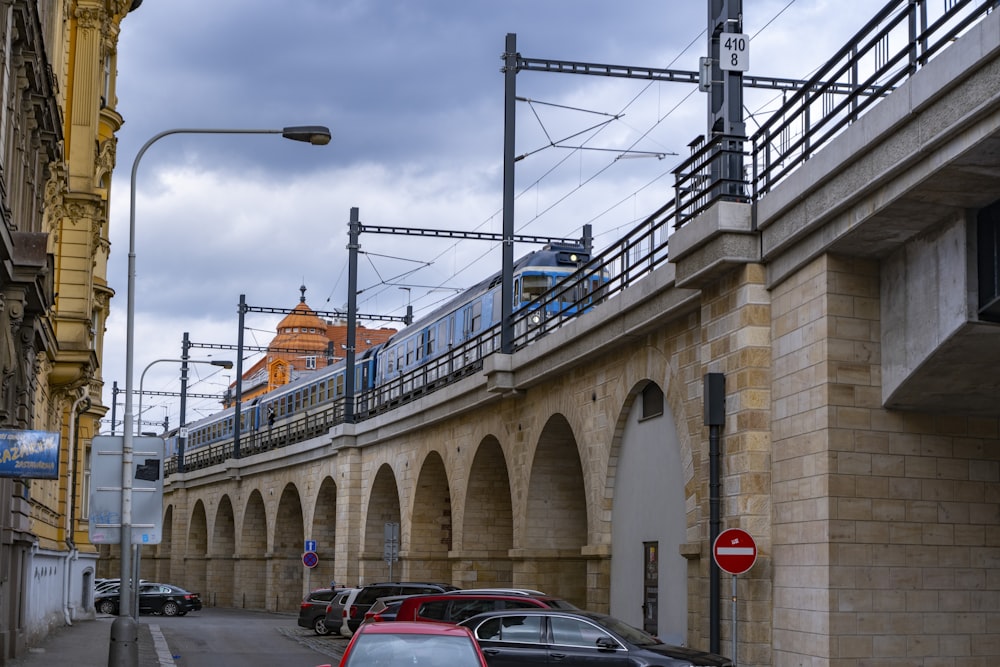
58,141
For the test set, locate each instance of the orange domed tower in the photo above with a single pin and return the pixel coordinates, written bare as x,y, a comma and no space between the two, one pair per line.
304,343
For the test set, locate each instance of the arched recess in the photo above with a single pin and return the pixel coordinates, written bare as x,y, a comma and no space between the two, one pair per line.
192,576
160,566
251,573
220,556
430,526
286,555
383,508
555,529
648,518
487,521
324,532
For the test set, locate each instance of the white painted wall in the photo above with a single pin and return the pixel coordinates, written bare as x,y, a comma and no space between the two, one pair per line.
648,507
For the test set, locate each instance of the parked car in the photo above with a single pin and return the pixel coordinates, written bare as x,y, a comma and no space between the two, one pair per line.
106,585
459,605
542,637
312,610
355,611
154,598
412,645
339,621
384,609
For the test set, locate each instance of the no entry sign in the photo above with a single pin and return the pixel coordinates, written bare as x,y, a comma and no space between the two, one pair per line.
734,551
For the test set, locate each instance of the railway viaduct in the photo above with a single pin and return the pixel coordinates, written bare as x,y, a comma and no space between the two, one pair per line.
860,445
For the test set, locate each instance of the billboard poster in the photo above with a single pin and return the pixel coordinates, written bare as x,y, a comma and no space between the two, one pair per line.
30,454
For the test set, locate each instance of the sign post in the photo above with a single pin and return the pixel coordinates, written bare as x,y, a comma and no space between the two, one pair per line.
390,550
735,552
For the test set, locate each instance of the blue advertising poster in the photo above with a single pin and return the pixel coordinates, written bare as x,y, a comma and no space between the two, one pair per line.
31,454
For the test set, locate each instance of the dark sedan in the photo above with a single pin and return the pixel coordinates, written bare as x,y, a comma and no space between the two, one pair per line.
544,637
154,598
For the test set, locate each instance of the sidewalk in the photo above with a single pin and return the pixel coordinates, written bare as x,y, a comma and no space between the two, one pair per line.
87,643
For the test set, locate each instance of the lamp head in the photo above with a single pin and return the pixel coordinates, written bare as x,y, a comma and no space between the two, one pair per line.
224,363
317,135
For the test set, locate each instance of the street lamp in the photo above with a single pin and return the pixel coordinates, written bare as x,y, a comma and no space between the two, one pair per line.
124,651
222,363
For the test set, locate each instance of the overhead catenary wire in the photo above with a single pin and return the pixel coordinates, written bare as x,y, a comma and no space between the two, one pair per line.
585,181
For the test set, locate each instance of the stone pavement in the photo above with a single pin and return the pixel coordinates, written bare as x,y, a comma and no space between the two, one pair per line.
87,643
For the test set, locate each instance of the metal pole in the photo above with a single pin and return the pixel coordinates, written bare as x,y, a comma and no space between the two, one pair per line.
181,437
507,249
114,405
136,555
735,643
124,649
239,378
353,245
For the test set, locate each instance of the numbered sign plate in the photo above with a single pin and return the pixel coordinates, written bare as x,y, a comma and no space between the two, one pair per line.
734,52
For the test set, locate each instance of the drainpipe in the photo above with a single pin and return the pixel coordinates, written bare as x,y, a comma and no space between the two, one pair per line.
71,550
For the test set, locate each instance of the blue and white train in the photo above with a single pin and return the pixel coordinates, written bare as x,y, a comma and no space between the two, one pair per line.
417,357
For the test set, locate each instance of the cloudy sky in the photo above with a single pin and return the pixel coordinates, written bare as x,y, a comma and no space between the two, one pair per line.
413,93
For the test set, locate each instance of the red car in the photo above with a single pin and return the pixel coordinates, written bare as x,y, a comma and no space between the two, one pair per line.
456,606
416,644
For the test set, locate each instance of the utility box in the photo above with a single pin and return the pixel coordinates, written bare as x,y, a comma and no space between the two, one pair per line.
106,490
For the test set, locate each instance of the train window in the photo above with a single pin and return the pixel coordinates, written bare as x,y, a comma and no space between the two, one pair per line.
400,357
534,285
431,339
390,361
410,345
473,316
340,384
421,342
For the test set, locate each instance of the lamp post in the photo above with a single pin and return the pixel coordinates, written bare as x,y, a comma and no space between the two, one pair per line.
124,650
222,363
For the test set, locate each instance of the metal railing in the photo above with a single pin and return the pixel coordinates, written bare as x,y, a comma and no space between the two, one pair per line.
901,38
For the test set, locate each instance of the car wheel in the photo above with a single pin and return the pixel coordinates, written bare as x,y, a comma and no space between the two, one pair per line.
170,608
106,607
319,626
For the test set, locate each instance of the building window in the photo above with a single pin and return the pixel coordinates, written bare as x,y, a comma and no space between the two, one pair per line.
652,401
310,363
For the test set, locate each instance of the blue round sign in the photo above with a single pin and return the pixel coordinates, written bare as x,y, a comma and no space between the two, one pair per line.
310,559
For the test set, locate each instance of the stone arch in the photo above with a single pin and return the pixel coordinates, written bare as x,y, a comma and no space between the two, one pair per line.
555,516
383,507
193,575
649,478
286,580
487,520
161,559
221,550
251,574
324,532
430,530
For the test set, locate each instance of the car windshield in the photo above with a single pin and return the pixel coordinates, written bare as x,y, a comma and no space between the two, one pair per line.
625,631
371,650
